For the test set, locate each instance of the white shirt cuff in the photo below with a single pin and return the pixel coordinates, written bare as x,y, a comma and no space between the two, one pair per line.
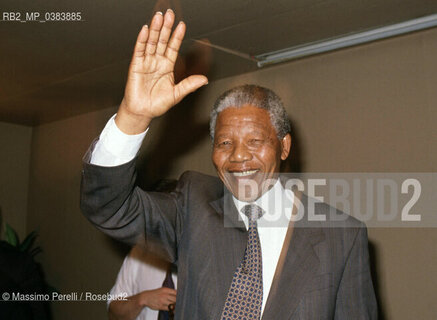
114,147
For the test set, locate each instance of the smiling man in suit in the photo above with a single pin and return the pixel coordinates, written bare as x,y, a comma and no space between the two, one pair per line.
233,262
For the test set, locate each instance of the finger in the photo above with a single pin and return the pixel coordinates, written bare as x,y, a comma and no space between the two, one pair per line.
170,292
171,300
189,85
165,32
140,45
165,303
155,28
175,42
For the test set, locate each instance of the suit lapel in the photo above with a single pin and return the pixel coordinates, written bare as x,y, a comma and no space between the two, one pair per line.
297,264
225,207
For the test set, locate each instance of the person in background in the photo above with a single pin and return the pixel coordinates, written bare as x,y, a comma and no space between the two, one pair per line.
148,281
141,278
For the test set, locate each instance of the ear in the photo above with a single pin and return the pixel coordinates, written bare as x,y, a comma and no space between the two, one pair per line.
285,146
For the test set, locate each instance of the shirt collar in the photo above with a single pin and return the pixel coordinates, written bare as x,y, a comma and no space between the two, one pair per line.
274,202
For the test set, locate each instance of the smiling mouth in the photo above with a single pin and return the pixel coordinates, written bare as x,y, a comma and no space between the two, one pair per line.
244,173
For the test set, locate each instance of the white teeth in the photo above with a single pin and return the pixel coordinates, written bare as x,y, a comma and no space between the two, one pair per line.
244,173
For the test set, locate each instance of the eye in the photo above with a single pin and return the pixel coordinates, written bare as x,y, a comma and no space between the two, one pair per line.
256,141
224,143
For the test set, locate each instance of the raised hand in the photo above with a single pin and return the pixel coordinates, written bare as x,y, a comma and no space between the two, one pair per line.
150,89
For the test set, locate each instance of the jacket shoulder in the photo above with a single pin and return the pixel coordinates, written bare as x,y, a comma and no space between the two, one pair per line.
201,184
327,215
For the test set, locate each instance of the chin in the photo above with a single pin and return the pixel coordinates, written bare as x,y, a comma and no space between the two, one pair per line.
246,198
246,190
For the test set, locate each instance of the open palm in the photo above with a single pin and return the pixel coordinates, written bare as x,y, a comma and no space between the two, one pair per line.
150,89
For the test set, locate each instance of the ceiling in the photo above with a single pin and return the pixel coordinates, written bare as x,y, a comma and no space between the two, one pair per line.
55,70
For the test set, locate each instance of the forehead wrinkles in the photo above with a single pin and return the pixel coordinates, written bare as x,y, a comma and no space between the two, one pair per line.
243,122
236,124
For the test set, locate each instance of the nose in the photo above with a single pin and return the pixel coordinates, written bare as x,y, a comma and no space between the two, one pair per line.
240,153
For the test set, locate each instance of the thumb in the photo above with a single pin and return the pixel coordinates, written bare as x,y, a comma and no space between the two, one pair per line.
188,85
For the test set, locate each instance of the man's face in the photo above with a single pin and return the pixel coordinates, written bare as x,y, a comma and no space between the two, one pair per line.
247,151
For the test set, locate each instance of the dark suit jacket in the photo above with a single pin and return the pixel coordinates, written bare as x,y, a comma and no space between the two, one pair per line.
323,272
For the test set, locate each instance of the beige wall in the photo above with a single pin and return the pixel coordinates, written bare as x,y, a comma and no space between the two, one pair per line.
76,258
14,175
369,108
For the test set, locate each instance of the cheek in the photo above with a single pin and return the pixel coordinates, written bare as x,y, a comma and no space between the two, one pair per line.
269,157
218,159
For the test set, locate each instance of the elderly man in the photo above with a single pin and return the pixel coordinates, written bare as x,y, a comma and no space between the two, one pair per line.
233,263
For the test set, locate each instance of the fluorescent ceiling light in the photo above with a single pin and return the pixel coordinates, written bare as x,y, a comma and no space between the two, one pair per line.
346,41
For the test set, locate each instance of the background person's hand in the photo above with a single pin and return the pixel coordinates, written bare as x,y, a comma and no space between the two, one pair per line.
150,89
159,299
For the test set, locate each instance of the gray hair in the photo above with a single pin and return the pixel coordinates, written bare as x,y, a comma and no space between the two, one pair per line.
257,96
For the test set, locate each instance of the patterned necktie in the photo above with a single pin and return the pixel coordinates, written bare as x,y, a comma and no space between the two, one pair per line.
245,295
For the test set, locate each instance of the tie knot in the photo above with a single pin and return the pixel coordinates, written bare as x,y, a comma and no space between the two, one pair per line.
252,211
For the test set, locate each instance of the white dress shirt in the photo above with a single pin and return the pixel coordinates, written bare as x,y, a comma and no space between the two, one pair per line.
115,148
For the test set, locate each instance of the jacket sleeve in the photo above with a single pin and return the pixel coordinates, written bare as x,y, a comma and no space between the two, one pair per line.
355,297
112,202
